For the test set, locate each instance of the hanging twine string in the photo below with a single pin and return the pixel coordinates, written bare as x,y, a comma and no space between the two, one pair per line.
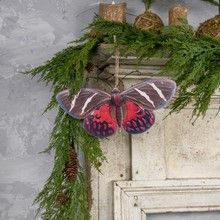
117,60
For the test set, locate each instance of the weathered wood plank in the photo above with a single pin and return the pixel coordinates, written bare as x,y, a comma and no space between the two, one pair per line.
95,194
117,150
192,151
118,167
148,152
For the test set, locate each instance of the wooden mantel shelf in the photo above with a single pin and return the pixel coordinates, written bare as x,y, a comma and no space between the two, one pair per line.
104,61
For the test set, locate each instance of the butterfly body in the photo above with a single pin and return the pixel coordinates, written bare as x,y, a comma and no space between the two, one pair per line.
131,109
117,101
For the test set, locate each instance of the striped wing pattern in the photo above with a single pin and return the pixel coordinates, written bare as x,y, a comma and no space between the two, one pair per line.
151,94
81,104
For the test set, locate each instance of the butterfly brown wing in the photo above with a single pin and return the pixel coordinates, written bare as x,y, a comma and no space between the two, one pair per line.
83,103
151,94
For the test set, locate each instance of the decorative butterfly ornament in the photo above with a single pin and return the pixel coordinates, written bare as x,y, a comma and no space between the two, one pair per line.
131,109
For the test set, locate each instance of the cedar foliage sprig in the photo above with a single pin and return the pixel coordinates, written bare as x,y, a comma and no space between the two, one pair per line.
142,44
76,206
195,65
193,62
58,182
66,70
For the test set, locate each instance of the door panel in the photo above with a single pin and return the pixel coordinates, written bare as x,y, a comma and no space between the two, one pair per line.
192,151
175,148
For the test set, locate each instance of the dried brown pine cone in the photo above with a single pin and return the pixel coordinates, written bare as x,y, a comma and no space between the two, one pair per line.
71,167
61,198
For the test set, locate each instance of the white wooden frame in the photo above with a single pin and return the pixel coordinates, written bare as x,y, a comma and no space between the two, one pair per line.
134,200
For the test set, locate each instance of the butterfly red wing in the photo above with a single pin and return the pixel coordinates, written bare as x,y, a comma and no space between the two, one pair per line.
84,102
136,119
101,122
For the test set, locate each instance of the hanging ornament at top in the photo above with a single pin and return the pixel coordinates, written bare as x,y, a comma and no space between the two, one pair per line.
113,11
177,14
148,21
211,27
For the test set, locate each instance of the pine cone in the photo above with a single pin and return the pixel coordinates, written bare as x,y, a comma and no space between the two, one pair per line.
61,198
71,167
90,67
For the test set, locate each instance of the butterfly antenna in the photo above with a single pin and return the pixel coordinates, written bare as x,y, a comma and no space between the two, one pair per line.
134,71
117,60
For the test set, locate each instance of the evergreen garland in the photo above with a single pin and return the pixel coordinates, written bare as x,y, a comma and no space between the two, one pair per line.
193,62
66,70
195,65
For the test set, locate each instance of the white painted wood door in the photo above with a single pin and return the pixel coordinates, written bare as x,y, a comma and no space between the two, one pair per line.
173,167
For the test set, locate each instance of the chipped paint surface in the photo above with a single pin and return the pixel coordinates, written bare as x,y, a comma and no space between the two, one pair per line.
31,31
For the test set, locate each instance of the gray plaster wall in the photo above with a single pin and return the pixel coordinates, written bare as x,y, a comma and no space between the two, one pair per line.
31,31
